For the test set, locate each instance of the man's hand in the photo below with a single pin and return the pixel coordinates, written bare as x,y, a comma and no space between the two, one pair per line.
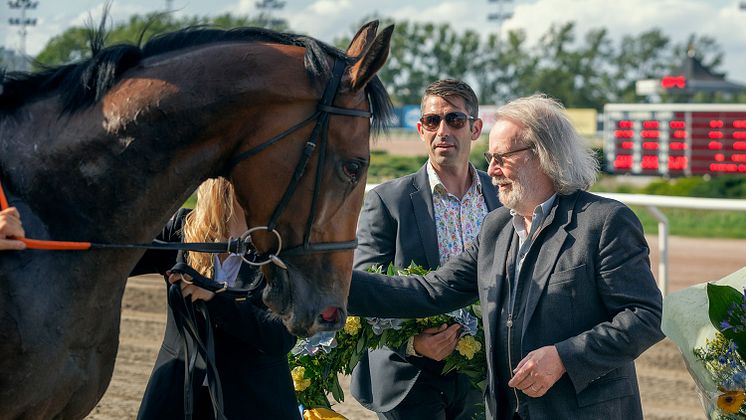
10,227
438,342
538,371
187,289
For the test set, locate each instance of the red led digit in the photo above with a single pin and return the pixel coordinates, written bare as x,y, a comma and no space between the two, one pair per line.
677,124
624,124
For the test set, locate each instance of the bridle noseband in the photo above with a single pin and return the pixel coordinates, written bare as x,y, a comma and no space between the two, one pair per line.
318,140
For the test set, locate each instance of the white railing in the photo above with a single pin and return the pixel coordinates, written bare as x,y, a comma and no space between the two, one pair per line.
651,203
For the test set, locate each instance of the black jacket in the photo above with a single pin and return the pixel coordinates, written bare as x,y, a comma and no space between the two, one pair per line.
251,349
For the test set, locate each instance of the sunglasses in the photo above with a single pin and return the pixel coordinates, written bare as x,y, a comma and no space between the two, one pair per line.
499,157
456,120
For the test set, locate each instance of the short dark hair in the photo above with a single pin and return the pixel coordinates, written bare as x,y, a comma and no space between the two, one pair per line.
445,88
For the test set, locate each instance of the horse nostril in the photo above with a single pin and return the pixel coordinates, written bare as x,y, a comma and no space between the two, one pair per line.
330,314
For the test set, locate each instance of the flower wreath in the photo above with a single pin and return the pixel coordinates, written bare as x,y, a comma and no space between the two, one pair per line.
316,361
724,356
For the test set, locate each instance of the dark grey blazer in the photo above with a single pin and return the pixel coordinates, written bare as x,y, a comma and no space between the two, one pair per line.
590,293
397,224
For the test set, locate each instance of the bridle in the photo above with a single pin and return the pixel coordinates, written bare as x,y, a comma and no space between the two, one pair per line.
244,245
318,140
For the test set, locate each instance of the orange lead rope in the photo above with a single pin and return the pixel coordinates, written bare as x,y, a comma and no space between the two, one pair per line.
39,244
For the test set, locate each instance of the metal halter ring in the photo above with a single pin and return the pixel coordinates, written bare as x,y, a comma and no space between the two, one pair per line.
271,258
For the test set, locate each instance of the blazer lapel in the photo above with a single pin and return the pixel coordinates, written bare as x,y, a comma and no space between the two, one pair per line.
422,202
494,283
549,250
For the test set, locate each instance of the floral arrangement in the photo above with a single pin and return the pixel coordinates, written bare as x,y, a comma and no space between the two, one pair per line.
724,355
316,361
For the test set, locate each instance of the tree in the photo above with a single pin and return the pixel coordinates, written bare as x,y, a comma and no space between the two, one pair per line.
646,56
422,53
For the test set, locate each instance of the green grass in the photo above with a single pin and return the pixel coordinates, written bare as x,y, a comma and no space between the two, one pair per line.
686,222
696,223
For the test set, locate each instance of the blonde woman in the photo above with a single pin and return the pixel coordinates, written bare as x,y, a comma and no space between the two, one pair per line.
251,345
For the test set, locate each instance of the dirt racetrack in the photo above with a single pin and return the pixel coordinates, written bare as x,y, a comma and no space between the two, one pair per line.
667,390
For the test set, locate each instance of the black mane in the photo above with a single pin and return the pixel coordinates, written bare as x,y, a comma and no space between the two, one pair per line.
84,83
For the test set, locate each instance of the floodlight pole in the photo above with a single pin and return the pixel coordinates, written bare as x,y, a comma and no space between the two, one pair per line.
23,22
501,15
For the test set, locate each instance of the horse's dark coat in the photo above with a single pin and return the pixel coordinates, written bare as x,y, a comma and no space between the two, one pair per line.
105,150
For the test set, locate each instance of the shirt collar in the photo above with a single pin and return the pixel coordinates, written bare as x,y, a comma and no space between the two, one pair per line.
436,185
540,213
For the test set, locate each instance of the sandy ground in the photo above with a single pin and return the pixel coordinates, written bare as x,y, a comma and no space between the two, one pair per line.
667,390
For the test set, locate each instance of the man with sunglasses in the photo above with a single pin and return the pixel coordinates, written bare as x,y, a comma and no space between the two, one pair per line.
425,218
563,276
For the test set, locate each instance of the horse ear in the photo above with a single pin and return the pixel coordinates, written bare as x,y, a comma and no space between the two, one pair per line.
361,41
372,59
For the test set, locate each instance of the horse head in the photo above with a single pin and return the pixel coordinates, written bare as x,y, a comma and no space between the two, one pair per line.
302,201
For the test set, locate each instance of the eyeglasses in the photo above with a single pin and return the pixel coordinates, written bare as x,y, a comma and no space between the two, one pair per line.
499,157
456,120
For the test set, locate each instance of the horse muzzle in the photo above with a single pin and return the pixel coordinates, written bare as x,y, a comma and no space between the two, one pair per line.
305,306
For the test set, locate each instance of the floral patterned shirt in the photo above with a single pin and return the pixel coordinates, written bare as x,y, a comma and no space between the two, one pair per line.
457,221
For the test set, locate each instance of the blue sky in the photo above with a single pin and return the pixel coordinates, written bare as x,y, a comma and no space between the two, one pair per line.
327,19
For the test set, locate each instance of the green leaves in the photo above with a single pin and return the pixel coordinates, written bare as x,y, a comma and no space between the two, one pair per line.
728,315
359,335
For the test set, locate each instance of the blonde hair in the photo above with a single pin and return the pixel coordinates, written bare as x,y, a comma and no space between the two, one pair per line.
208,222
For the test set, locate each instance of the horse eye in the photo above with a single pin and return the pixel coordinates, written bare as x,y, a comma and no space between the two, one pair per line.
352,169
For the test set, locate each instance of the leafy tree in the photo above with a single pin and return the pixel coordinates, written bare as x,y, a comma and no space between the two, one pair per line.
422,53
646,56
581,71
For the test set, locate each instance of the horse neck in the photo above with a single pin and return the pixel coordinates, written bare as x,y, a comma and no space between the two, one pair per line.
131,160
85,182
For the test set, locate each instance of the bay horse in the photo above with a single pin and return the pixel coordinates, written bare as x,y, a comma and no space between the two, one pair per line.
107,149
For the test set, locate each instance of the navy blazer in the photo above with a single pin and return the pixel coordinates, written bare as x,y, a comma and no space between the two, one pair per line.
397,224
251,347
589,264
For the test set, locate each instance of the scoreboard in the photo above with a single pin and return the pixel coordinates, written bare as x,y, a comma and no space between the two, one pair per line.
675,139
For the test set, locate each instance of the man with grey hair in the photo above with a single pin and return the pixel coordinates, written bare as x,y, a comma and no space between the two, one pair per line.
563,277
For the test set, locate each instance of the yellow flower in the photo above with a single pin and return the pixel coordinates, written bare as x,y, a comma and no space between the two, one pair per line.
352,326
320,413
300,382
731,401
468,346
